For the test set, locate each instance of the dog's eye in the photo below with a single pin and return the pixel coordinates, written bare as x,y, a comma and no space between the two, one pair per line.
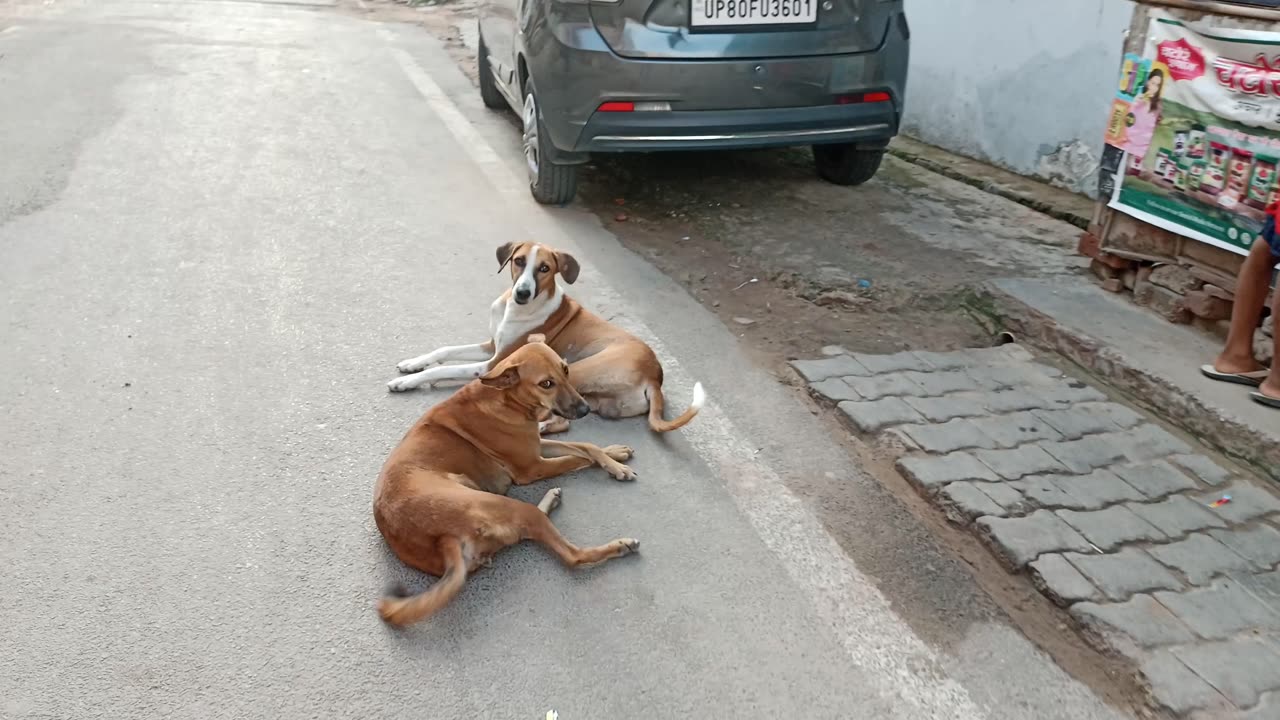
519,262
544,268
548,384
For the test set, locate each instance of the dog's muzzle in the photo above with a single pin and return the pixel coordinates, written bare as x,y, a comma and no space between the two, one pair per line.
579,411
522,295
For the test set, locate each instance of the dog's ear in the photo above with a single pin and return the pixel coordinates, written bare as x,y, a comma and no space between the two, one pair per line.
568,266
537,338
508,378
505,251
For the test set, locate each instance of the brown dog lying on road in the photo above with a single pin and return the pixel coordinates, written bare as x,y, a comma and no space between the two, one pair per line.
439,500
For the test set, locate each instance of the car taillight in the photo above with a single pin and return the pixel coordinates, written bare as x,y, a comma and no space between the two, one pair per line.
620,106
871,97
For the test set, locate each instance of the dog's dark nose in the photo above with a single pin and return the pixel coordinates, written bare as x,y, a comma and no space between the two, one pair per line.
581,410
522,295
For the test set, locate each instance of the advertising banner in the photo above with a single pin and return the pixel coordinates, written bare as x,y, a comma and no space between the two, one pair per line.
1197,116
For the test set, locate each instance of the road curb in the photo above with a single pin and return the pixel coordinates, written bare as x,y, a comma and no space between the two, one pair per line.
951,166
1238,441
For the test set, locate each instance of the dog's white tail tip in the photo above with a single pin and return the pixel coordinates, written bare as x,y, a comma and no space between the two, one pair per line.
699,396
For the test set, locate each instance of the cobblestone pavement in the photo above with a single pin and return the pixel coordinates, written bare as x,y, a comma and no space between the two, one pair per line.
1112,516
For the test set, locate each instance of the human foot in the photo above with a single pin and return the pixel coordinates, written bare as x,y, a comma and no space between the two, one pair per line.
1268,393
1237,364
1242,371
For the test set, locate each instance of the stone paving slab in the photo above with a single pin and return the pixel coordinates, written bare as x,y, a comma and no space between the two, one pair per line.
965,500
1054,576
1098,489
1155,479
1112,516
1177,516
1111,527
1199,558
1268,708
1132,627
873,415
1179,689
1124,573
1018,541
1260,545
1239,669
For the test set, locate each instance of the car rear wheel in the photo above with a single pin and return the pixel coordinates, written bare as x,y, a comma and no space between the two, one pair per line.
550,184
490,95
846,164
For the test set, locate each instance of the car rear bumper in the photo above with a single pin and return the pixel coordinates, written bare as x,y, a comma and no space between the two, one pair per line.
714,104
872,123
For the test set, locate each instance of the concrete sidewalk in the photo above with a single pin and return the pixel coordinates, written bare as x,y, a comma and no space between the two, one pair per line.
1163,553
1053,201
1156,363
1113,516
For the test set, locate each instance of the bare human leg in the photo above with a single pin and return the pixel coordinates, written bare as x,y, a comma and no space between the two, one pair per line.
1271,386
1251,295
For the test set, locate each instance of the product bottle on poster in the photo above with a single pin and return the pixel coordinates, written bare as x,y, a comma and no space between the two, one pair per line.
1195,175
1218,154
1195,142
1238,171
1215,178
1273,196
1162,164
1179,176
1128,73
1135,164
1237,178
1215,172
1171,168
1180,142
1261,181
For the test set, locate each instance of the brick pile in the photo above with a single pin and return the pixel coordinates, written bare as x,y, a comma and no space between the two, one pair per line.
1182,280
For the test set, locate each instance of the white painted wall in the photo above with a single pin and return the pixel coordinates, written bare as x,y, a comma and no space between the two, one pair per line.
1023,84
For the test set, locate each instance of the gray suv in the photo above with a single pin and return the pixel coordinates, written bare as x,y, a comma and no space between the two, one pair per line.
592,76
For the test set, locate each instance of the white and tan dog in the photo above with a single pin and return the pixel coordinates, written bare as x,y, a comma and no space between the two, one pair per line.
616,372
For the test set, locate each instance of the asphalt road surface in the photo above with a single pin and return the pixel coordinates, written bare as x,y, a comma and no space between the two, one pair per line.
221,225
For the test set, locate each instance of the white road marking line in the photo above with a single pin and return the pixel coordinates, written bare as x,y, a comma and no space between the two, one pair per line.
477,148
901,665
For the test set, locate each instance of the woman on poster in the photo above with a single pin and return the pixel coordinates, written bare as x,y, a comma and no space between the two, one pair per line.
1143,116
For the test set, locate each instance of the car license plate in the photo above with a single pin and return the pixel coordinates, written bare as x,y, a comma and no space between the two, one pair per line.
737,13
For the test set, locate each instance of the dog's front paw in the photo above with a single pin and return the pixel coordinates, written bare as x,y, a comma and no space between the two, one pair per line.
551,500
626,546
556,425
413,365
621,472
401,384
619,452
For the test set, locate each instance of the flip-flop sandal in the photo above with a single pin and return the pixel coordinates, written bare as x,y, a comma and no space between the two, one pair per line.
1252,379
1265,400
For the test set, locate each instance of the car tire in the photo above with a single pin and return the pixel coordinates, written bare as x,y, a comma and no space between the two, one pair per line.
490,95
549,183
846,164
